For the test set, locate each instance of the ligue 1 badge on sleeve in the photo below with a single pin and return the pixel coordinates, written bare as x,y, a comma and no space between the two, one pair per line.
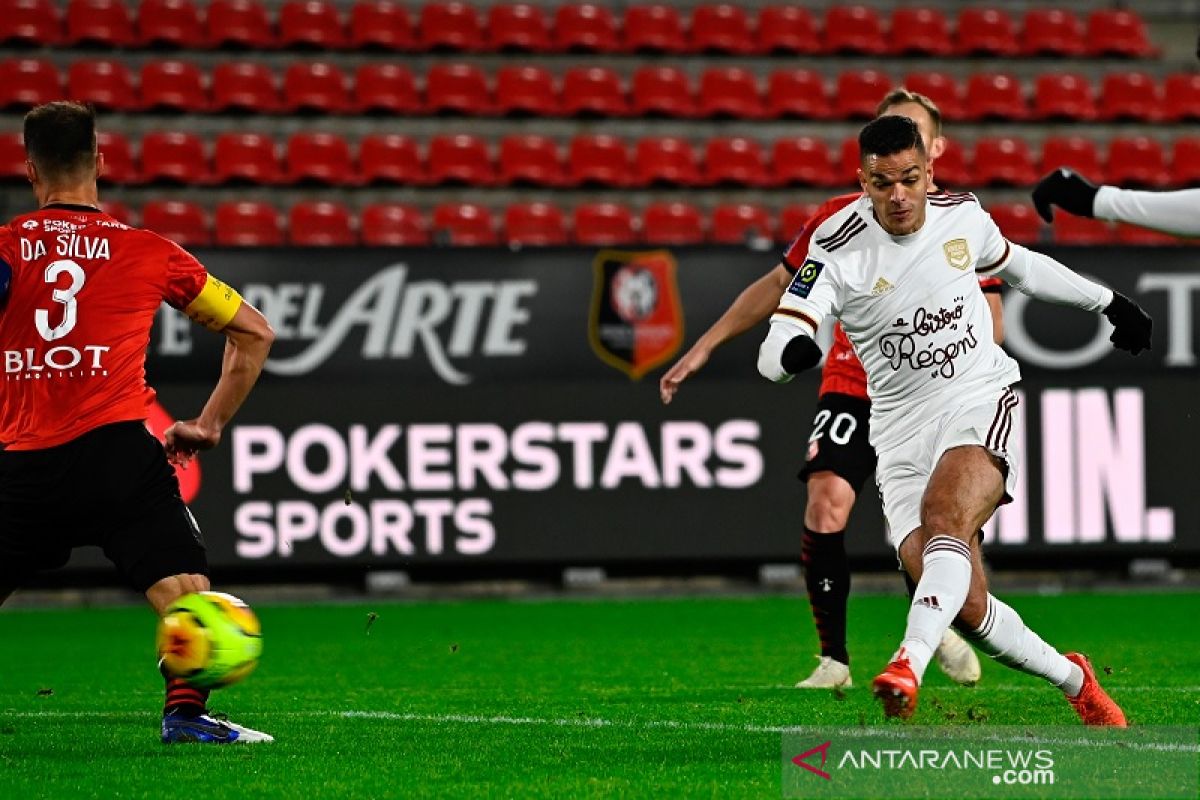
636,323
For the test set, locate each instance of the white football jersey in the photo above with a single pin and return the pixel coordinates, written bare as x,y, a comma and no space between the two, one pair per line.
911,305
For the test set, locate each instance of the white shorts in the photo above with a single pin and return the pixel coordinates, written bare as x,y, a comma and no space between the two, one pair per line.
904,468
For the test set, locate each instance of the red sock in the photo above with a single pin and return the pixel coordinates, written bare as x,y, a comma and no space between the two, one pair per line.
184,699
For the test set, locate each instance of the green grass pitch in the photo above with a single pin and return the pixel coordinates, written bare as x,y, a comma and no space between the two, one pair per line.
554,698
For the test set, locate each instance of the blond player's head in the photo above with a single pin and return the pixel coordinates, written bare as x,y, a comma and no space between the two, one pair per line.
921,110
60,147
893,170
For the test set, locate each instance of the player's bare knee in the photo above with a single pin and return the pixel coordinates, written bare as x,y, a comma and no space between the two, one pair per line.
941,518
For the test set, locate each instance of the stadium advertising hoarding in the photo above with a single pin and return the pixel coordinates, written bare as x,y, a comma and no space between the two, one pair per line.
463,406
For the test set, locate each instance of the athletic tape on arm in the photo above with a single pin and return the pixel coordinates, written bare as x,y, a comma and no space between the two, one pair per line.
216,304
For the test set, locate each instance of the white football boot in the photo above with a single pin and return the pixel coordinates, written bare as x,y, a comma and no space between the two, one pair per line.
209,729
829,674
958,659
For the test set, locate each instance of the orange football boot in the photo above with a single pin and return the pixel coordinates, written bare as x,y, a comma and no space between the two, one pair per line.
1093,705
896,687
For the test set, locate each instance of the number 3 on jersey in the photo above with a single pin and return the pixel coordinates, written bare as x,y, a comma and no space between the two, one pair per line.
840,431
66,297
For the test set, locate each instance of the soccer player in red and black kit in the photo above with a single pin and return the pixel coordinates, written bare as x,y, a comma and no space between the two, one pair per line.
839,457
78,295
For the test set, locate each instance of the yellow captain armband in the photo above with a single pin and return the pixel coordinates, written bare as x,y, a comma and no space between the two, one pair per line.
216,304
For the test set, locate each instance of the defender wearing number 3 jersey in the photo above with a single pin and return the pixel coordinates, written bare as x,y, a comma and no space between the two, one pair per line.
78,295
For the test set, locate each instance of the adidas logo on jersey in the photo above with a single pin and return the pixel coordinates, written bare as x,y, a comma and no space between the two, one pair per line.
930,601
882,286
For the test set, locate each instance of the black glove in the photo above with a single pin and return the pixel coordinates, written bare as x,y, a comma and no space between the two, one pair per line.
1067,188
1132,324
799,354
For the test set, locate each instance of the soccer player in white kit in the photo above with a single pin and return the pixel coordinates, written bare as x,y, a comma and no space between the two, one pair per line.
899,269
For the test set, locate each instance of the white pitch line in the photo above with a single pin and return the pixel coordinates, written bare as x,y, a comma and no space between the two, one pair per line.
594,722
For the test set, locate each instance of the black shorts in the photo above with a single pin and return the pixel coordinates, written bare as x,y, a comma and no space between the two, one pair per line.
111,487
840,440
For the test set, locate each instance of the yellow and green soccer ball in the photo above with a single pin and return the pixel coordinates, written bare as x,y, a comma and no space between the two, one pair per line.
209,639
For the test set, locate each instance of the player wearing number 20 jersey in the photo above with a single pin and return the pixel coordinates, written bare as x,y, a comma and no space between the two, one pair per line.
82,292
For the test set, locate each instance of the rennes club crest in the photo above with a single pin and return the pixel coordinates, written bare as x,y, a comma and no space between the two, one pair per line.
637,321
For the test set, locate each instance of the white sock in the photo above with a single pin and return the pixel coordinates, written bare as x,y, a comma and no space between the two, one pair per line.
1004,636
939,597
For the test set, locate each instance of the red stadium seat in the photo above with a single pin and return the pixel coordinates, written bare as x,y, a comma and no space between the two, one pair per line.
460,159
530,159
1077,152
858,93
464,225
601,224
319,158
1181,97
381,25
241,24
803,161
797,93
847,164
316,88
107,85
526,91
457,89
28,82
598,161
1111,32
1063,96
386,89
534,224
654,28
173,86
1134,235
792,219
943,89
390,158
672,223
119,164
1137,161
12,158
663,91
920,31
29,23
394,225
995,96
1017,221
1051,32
722,28
244,86
986,32
735,161
1185,162
103,23
170,24
950,171
518,28
1130,96
117,210
854,29
593,92
184,223
320,224
787,30
311,24
585,28
241,223
730,92
450,26
741,223
666,161
1069,229
174,157
1004,160
246,158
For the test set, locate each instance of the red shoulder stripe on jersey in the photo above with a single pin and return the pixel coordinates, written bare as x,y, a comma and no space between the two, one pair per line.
800,315
997,262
